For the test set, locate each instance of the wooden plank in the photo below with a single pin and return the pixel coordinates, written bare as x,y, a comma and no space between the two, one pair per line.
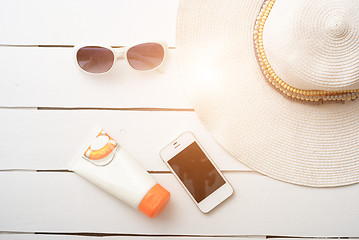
67,22
64,202
49,139
48,77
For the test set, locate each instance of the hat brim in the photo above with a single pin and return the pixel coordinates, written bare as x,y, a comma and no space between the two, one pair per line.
305,144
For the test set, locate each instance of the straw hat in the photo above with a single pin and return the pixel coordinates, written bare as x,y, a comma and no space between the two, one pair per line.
274,82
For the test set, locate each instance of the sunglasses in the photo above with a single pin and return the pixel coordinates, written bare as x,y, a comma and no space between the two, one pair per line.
100,59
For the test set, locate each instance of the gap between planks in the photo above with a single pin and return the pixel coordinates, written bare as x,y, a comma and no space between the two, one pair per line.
70,171
120,109
102,235
143,109
55,46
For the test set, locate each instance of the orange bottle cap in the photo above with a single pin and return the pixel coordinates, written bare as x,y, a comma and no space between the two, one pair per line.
154,201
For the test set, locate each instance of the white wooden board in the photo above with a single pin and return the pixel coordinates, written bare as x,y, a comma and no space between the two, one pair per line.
67,22
49,139
64,202
48,77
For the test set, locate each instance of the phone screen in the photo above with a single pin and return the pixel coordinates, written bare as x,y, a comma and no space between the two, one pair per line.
196,172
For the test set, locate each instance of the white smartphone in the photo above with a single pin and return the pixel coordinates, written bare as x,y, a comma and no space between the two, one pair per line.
196,172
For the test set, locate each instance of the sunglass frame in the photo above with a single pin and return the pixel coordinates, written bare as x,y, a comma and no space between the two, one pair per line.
121,53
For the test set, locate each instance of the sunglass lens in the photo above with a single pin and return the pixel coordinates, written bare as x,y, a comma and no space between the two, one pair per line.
145,56
94,59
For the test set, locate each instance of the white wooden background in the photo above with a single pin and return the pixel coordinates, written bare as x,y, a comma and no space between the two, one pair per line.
47,106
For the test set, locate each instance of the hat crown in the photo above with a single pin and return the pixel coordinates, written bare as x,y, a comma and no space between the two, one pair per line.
314,45
337,27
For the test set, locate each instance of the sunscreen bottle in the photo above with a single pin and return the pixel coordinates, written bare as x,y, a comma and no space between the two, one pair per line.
106,164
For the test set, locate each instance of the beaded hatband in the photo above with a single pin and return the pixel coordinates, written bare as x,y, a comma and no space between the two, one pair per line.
318,96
